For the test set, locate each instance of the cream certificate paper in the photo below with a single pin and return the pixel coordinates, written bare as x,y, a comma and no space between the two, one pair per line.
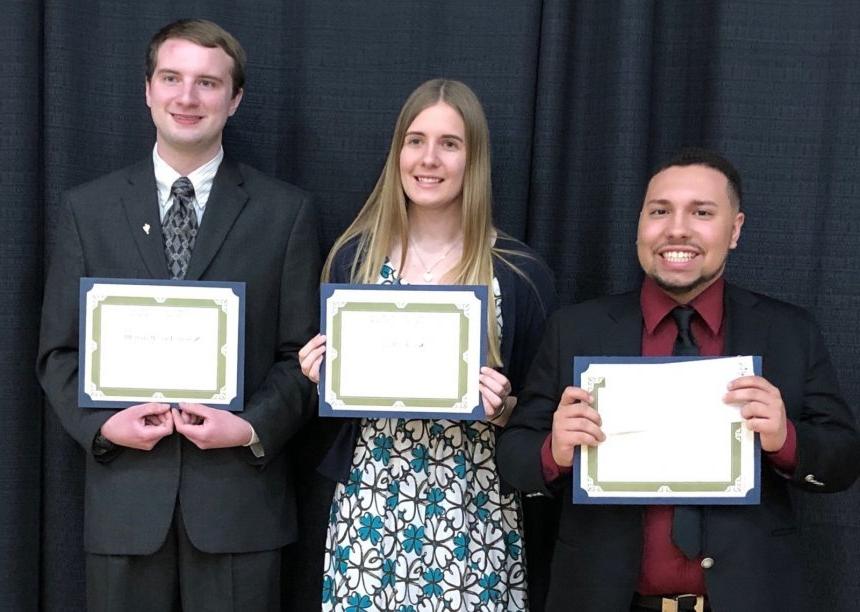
670,438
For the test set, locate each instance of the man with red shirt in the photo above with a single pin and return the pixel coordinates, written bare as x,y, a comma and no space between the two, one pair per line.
622,558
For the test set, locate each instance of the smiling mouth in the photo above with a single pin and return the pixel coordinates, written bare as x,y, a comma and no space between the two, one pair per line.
186,118
678,256
428,180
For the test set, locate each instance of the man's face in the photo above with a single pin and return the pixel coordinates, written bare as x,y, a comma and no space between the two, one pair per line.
687,227
190,96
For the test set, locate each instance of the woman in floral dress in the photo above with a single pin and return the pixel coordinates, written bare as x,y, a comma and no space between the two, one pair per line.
420,520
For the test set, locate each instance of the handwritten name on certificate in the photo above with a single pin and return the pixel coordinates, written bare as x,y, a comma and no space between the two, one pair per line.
402,351
670,438
162,341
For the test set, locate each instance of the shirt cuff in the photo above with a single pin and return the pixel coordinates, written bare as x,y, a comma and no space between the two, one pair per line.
785,459
254,443
551,470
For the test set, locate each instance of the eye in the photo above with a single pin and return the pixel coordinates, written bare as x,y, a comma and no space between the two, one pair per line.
169,78
450,144
412,141
658,212
703,213
207,83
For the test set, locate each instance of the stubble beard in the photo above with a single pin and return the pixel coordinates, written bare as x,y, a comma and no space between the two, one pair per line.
702,281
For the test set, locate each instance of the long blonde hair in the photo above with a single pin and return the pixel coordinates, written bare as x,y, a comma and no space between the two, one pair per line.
383,222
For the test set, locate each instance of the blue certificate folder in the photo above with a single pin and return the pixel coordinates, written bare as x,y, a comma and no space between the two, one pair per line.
381,401
230,375
640,493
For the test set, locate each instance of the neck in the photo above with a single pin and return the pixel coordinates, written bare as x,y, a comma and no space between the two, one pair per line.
435,239
434,229
186,161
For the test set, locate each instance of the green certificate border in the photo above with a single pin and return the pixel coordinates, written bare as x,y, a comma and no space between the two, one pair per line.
419,402
110,393
733,431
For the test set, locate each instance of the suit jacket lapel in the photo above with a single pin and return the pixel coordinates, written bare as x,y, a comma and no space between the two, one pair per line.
140,202
226,201
626,337
747,328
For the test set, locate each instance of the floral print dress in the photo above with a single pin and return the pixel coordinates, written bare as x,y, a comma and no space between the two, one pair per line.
421,524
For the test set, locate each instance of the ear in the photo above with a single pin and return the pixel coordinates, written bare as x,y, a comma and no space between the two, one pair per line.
146,91
234,103
736,229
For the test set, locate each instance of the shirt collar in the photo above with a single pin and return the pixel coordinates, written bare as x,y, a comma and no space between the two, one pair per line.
656,304
202,178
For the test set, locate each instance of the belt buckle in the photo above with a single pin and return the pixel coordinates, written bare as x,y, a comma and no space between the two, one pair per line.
671,604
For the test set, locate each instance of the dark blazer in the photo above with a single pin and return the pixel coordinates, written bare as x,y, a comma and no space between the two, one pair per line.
756,550
255,229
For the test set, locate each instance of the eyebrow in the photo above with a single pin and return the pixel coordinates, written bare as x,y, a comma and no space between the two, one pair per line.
694,202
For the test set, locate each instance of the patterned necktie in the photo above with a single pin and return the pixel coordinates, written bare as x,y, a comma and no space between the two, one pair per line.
179,228
687,520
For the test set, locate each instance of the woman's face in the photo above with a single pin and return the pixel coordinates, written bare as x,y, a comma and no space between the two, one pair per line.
433,158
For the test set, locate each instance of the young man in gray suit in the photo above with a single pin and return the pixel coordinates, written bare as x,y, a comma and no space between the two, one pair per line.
188,506
729,558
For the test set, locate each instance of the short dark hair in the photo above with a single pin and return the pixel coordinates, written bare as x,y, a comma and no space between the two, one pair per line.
696,156
206,34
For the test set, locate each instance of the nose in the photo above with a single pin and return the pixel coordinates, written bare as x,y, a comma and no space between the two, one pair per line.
188,95
429,156
679,226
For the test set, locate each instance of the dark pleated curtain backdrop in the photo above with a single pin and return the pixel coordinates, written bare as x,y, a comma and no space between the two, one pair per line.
582,97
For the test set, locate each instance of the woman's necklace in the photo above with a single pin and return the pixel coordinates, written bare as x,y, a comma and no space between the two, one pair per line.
428,270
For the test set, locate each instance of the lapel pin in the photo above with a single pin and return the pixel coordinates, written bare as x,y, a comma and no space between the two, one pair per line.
146,228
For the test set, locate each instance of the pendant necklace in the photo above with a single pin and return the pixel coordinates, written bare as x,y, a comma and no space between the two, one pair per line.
428,270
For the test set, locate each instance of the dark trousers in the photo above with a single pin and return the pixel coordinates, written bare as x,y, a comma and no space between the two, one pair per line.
180,577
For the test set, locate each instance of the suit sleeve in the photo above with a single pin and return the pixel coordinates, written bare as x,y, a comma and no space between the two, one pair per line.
284,401
828,444
57,360
518,451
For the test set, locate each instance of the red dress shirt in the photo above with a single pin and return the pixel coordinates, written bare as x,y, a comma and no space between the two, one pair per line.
664,568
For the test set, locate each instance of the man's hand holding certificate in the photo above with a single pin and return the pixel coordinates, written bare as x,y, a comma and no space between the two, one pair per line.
666,430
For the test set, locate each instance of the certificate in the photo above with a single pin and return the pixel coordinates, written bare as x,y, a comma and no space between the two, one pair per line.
402,351
670,438
161,341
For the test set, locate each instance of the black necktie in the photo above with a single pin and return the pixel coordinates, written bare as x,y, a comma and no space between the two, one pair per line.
179,228
687,520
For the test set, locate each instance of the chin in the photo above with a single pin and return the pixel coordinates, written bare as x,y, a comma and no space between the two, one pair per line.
684,288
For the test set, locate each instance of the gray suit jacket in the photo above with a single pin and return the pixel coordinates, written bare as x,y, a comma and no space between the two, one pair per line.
756,549
256,229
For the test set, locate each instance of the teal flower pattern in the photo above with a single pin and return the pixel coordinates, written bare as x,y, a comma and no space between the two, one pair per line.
421,523
382,452
393,499
358,603
389,577
435,497
512,544
488,584
419,463
370,526
354,482
413,540
327,589
461,546
433,577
